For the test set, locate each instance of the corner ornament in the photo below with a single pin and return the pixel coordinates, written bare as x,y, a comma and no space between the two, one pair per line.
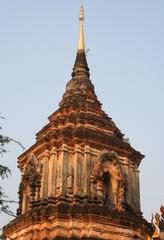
29,187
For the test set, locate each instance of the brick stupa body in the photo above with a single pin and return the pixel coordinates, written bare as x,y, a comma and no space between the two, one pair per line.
80,180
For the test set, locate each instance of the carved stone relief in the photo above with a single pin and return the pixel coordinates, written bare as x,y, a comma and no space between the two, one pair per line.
70,179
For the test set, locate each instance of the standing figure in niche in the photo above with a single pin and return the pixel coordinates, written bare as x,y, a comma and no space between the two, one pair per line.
70,179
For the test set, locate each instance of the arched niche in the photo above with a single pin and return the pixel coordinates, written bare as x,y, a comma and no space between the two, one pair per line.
108,182
30,185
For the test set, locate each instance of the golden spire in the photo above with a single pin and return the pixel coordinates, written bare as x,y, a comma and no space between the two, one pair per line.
81,44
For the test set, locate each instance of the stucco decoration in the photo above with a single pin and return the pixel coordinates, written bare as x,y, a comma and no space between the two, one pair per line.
29,188
107,180
158,224
70,179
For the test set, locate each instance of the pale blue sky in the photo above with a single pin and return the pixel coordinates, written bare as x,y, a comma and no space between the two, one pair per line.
38,42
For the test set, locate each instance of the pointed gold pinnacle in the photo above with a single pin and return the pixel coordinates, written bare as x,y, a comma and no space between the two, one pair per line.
81,44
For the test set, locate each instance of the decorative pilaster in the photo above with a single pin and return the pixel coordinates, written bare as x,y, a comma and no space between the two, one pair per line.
44,184
137,187
58,181
64,167
52,172
87,170
78,170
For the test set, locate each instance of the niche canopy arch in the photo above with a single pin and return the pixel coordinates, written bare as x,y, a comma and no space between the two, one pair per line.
109,180
29,188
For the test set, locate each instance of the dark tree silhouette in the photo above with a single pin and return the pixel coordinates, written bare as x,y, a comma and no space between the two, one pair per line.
5,172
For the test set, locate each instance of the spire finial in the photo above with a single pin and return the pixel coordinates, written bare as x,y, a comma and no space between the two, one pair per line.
81,18
81,44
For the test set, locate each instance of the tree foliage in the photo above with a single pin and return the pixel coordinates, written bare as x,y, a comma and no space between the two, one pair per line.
5,172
